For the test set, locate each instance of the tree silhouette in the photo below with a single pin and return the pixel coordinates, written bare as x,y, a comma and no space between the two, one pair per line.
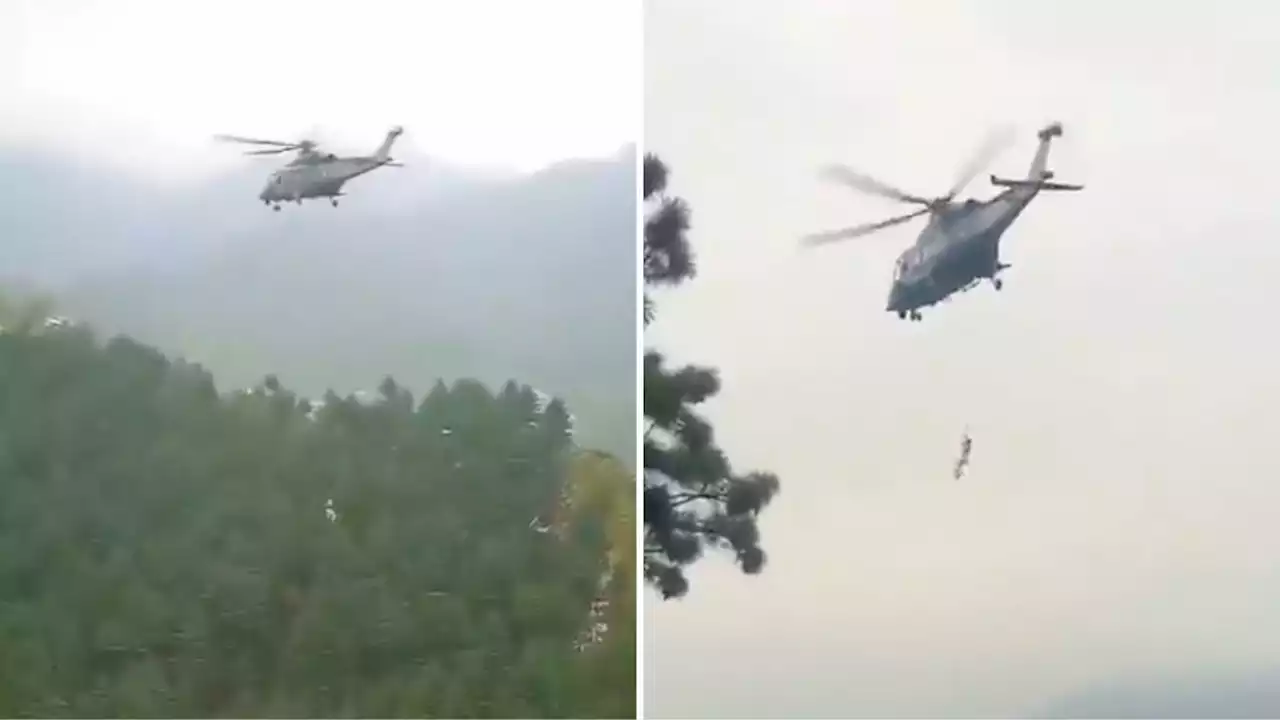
692,498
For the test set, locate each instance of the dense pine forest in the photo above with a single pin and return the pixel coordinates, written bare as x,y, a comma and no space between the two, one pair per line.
170,549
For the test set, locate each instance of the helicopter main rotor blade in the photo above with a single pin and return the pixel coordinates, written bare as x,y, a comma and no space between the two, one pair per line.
867,184
859,230
995,142
253,141
273,151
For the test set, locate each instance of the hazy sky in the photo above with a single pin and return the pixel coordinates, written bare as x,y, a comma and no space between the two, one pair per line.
492,82
1118,530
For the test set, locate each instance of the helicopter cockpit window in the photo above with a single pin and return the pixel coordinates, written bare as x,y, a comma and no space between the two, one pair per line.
905,262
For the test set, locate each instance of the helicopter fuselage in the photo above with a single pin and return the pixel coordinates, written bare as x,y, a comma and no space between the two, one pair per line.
325,179
960,245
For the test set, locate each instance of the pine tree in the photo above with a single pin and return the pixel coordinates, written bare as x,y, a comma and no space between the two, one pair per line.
692,498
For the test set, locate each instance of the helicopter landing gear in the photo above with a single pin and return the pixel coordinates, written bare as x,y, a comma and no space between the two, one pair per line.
915,316
996,282
333,202
902,314
276,208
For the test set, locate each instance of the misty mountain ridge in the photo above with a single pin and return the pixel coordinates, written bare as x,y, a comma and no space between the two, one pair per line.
51,194
421,273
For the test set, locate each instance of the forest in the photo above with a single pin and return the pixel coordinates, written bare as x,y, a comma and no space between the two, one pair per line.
170,549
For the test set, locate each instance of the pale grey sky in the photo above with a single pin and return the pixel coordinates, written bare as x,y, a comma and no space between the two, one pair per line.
1119,521
145,83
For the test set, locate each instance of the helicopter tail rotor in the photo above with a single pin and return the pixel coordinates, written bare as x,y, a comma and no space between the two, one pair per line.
1052,130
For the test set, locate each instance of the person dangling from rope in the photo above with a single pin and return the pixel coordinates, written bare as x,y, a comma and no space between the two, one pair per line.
962,462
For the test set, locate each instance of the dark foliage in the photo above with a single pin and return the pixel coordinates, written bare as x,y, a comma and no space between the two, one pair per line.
692,498
167,551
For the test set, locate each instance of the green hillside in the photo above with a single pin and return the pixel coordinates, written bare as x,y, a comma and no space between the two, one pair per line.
169,551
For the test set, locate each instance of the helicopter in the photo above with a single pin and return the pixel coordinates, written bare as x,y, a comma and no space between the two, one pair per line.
313,173
960,245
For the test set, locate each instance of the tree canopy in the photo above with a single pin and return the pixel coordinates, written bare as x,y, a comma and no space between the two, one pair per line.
692,498
174,551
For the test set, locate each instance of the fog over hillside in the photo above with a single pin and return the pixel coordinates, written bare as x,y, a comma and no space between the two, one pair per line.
423,272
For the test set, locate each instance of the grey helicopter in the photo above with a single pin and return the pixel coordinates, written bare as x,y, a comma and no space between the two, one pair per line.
960,245
313,173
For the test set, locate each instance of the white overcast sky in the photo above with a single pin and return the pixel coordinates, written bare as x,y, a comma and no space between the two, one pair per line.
1120,523
489,82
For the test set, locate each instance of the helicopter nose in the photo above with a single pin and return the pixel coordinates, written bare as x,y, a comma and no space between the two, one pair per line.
894,303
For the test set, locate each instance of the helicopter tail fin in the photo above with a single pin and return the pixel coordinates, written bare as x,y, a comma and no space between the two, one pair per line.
383,153
1040,163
